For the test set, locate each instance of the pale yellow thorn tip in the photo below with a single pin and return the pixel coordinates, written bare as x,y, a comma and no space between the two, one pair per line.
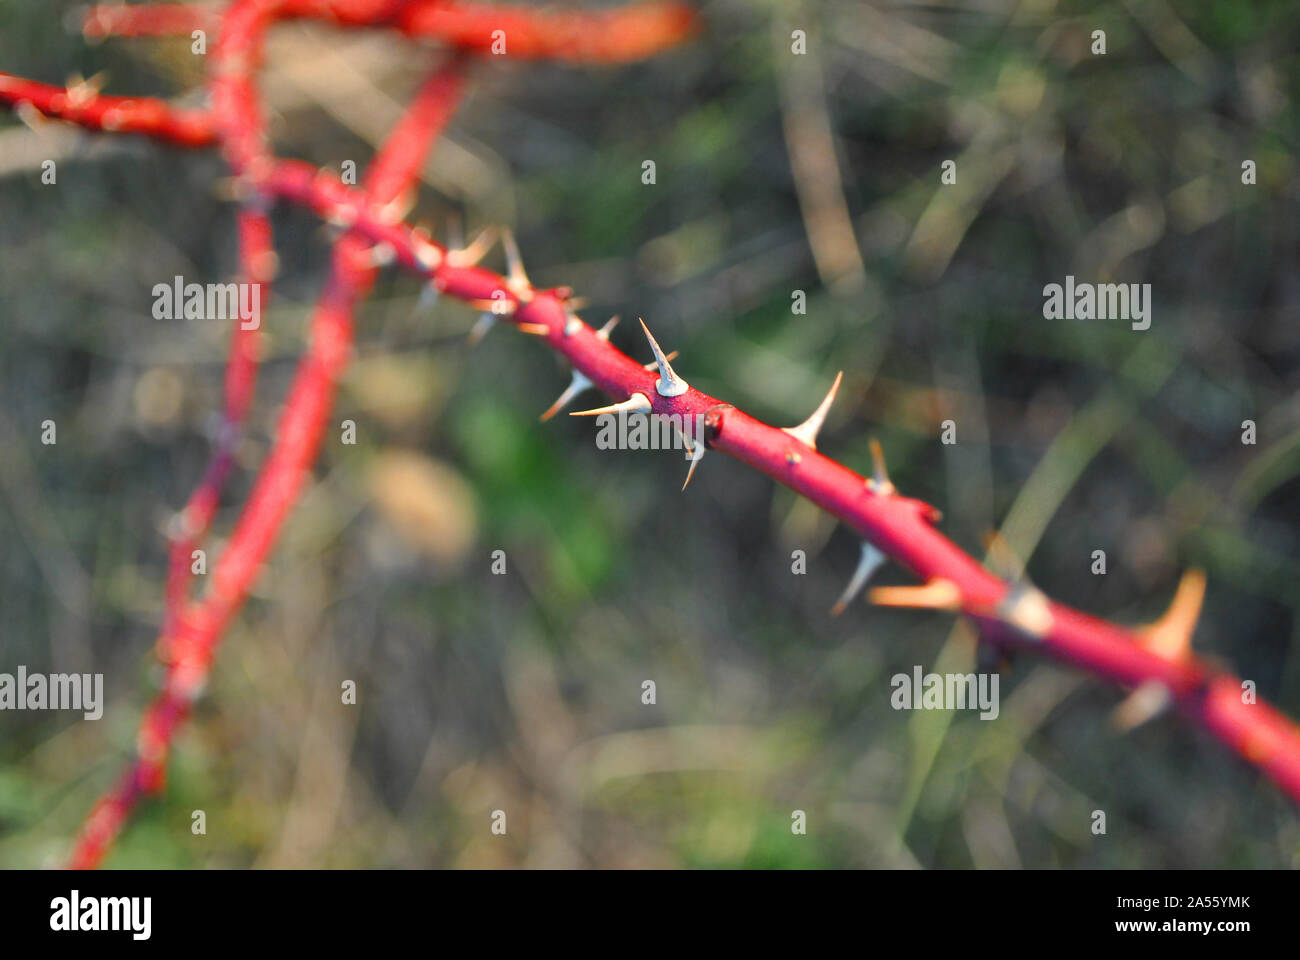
1171,636
938,594
807,431
870,561
637,403
669,384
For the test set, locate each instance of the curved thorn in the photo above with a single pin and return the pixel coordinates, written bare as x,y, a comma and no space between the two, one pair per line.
870,561
578,384
637,403
1171,636
669,384
697,454
807,431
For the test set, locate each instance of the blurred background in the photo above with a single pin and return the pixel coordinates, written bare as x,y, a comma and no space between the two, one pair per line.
775,173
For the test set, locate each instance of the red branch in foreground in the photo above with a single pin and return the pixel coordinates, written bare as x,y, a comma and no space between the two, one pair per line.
1155,661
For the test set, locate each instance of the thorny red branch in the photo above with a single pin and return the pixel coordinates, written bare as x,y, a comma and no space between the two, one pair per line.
82,105
1156,661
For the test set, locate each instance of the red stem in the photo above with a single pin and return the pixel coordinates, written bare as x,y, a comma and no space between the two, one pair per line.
193,635
631,32
86,108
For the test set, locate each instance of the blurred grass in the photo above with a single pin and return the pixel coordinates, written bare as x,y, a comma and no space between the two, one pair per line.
522,692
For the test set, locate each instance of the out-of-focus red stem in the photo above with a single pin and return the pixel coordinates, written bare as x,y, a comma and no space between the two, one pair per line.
257,265
147,20
195,633
87,108
619,35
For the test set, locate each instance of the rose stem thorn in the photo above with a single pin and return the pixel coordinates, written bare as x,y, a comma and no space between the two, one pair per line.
637,403
807,431
870,561
669,384
578,384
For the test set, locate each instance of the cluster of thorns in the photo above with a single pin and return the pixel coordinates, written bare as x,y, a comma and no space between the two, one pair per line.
1155,662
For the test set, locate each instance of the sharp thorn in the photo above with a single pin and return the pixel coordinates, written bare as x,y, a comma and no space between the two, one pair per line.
697,454
534,329
578,384
870,561
669,384
477,249
608,328
516,276
938,594
1171,636
637,403
807,431
879,482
